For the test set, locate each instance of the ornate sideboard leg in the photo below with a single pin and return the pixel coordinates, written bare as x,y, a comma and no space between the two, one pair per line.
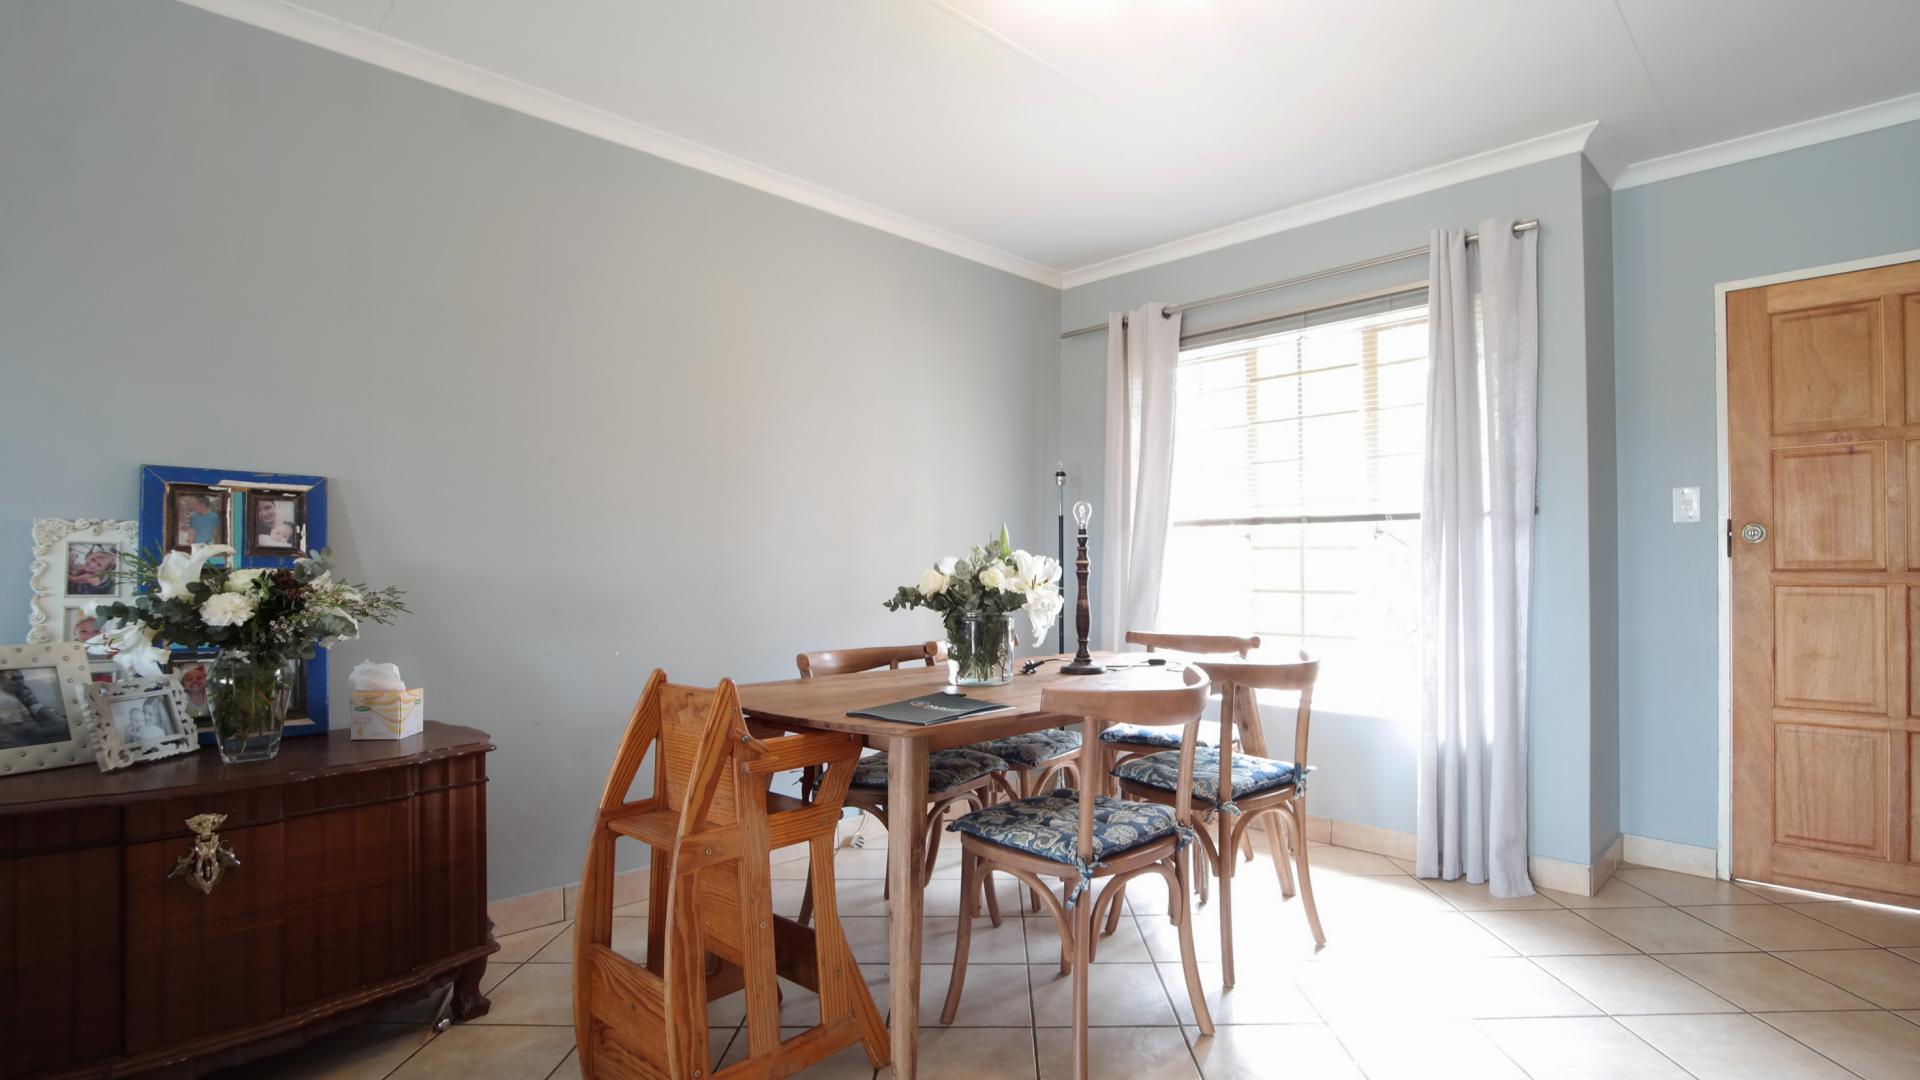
468,1001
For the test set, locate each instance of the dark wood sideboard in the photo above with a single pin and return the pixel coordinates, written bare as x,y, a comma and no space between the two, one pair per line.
362,879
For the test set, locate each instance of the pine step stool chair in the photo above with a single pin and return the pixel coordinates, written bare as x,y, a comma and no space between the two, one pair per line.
963,776
1082,836
711,824
1222,792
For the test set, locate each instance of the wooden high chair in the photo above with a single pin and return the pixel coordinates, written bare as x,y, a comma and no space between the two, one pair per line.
711,824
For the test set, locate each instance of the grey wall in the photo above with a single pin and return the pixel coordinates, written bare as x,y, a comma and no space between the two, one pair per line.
1673,242
594,411
1602,525
1367,762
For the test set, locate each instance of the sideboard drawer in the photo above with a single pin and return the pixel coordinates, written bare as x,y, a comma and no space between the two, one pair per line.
59,960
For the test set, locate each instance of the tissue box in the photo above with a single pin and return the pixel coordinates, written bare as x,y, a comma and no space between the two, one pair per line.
387,714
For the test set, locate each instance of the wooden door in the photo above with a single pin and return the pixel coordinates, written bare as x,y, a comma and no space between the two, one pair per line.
1823,412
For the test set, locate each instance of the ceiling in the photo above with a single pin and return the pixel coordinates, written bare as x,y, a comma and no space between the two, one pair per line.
1072,139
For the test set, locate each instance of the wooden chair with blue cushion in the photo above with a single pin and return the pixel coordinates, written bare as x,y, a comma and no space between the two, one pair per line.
1124,741
1223,800
1083,836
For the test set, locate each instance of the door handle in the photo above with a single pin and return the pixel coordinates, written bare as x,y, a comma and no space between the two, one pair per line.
1754,532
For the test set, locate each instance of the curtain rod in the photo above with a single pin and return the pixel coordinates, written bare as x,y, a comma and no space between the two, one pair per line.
1365,264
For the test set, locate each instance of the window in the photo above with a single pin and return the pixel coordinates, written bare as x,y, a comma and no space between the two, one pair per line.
1296,495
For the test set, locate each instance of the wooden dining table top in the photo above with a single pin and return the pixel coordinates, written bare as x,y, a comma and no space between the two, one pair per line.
822,704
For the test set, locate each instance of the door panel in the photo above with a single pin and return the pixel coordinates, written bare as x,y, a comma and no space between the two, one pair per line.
1823,391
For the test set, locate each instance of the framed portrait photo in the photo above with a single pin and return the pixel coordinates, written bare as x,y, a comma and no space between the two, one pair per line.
78,564
276,522
45,722
191,668
197,514
140,720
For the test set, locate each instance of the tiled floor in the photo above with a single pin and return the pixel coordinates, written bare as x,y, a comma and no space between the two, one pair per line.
1661,975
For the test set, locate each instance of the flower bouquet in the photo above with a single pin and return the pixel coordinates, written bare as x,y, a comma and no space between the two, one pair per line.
977,597
262,620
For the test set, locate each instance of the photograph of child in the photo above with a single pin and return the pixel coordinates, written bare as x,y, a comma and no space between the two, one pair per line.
82,624
143,720
32,712
91,569
278,527
193,680
197,516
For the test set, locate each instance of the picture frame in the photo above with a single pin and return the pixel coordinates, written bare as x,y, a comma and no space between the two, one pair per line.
46,721
76,566
196,514
140,720
244,491
276,522
191,668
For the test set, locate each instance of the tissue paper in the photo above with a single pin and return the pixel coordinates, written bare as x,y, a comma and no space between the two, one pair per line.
383,706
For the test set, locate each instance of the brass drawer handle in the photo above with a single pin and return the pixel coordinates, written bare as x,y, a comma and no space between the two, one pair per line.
206,862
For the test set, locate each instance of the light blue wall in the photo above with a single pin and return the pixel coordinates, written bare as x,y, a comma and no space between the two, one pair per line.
1368,763
1603,526
1673,242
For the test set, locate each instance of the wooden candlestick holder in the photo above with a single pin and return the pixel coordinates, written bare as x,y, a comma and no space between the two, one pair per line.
1083,662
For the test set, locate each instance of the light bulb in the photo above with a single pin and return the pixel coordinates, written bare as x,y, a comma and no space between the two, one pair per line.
1082,513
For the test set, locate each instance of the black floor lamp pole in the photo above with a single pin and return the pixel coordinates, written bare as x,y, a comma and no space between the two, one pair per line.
1060,532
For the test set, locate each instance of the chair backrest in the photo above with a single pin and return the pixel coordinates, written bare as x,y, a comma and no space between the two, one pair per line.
848,661
1193,643
1156,707
1239,680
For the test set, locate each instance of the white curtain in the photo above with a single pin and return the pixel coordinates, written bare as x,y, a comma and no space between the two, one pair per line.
1477,557
1143,353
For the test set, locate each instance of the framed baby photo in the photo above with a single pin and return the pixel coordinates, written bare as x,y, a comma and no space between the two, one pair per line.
45,722
140,720
276,522
78,564
191,668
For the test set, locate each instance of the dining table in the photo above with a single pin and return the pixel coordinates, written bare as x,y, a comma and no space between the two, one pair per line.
823,704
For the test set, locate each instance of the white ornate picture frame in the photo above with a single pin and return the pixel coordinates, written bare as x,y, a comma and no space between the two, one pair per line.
45,720
140,720
66,587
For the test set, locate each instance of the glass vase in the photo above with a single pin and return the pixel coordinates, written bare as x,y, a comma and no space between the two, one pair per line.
980,648
249,697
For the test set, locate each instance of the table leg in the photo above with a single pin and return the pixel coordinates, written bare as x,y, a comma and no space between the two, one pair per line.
906,832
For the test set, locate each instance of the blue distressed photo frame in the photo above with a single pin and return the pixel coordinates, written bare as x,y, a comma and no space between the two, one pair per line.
242,487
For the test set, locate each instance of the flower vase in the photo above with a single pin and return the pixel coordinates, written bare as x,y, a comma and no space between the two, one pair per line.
249,697
980,648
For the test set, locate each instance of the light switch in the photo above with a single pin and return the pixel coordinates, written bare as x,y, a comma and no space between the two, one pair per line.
1686,505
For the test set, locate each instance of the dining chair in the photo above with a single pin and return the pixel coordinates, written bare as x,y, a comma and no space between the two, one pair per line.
1084,836
712,823
962,776
1222,792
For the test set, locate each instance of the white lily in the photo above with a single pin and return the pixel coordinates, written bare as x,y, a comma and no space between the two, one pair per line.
1042,607
946,565
133,647
179,569
1032,572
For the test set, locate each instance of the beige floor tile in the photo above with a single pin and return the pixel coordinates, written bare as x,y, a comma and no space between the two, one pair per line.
990,944
1774,928
1403,865
1727,1047
1423,1048
633,910
867,937
1677,888
1758,982
1663,930
496,974
792,869
520,947
1630,985
362,1052
1163,938
1876,1045
1887,980
1259,996
1124,946
1463,989
1615,893
533,994
629,940
861,863
1118,995
1156,1053
1911,1015
995,995
1880,925
1333,860
942,897
1580,1048
1549,933
1250,1050
950,1053
568,1069
1469,897
474,1052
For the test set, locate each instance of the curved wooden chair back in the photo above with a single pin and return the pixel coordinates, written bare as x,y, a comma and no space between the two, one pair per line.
848,661
1193,643
712,824
1099,707
1239,704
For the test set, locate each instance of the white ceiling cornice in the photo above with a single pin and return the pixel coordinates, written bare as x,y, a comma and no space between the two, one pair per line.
1820,129
1571,141
382,51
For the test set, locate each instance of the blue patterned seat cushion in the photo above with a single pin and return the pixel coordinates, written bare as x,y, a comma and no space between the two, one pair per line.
1026,750
1168,737
946,769
1049,826
1250,774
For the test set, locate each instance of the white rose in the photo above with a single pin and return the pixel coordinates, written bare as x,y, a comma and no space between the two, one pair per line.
241,580
993,577
933,583
227,609
946,565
